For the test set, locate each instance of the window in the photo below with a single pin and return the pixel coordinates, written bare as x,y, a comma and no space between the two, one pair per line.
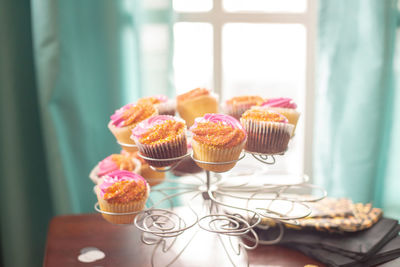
241,47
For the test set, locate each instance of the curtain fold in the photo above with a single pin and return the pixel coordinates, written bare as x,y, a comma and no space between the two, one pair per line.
78,56
65,66
357,115
26,204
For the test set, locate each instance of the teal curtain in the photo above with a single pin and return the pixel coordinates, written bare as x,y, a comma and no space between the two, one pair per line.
357,124
65,66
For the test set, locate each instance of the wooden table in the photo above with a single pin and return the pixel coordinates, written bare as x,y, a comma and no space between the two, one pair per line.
122,246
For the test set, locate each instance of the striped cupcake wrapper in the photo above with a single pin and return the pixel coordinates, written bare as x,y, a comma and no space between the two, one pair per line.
267,137
175,148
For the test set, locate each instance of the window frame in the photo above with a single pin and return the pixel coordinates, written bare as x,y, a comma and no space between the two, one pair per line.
217,17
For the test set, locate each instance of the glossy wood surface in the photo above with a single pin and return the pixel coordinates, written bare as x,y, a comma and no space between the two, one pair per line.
122,246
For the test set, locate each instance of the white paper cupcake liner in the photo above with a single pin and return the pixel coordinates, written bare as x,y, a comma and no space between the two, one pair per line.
132,206
209,153
152,177
267,137
123,134
167,108
237,111
291,114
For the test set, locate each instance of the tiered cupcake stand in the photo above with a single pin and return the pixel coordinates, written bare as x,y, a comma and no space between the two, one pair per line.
230,207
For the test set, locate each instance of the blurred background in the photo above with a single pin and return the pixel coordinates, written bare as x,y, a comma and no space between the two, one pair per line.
66,65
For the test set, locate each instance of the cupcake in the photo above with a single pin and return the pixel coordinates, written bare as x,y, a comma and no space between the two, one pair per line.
217,138
237,105
126,118
268,131
162,104
161,137
112,163
122,192
187,165
286,107
196,103
152,177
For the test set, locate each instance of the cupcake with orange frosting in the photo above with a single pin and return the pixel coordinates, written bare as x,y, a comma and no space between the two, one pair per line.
237,105
122,192
286,107
196,103
217,138
126,118
152,177
112,163
161,137
268,131
164,105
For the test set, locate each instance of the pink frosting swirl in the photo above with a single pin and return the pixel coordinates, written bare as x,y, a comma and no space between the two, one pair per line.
217,118
144,126
161,98
117,176
107,165
117,118
281,102
283,119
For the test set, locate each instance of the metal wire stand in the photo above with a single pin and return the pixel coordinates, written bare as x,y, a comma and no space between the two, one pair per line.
217,205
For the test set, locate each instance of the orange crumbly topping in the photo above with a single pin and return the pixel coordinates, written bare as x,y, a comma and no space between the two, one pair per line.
217,134
138,113
263,115
125,191
151,99
163,132
124,162
193,93
245,100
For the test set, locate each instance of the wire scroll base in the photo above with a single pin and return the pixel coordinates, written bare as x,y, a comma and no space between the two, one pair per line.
226,206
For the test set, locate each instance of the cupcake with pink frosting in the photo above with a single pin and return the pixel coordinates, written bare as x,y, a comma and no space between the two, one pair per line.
112,163
122,192
152,177
161,137
217,138
164,105
284,106
237,105
126,118
268,131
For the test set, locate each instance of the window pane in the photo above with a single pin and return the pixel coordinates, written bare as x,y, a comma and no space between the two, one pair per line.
267,60
193,56
266,5
192,5
154,56
264,58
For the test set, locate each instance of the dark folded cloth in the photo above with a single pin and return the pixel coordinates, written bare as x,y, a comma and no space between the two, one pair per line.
358,245
392,263
373,248
389,252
